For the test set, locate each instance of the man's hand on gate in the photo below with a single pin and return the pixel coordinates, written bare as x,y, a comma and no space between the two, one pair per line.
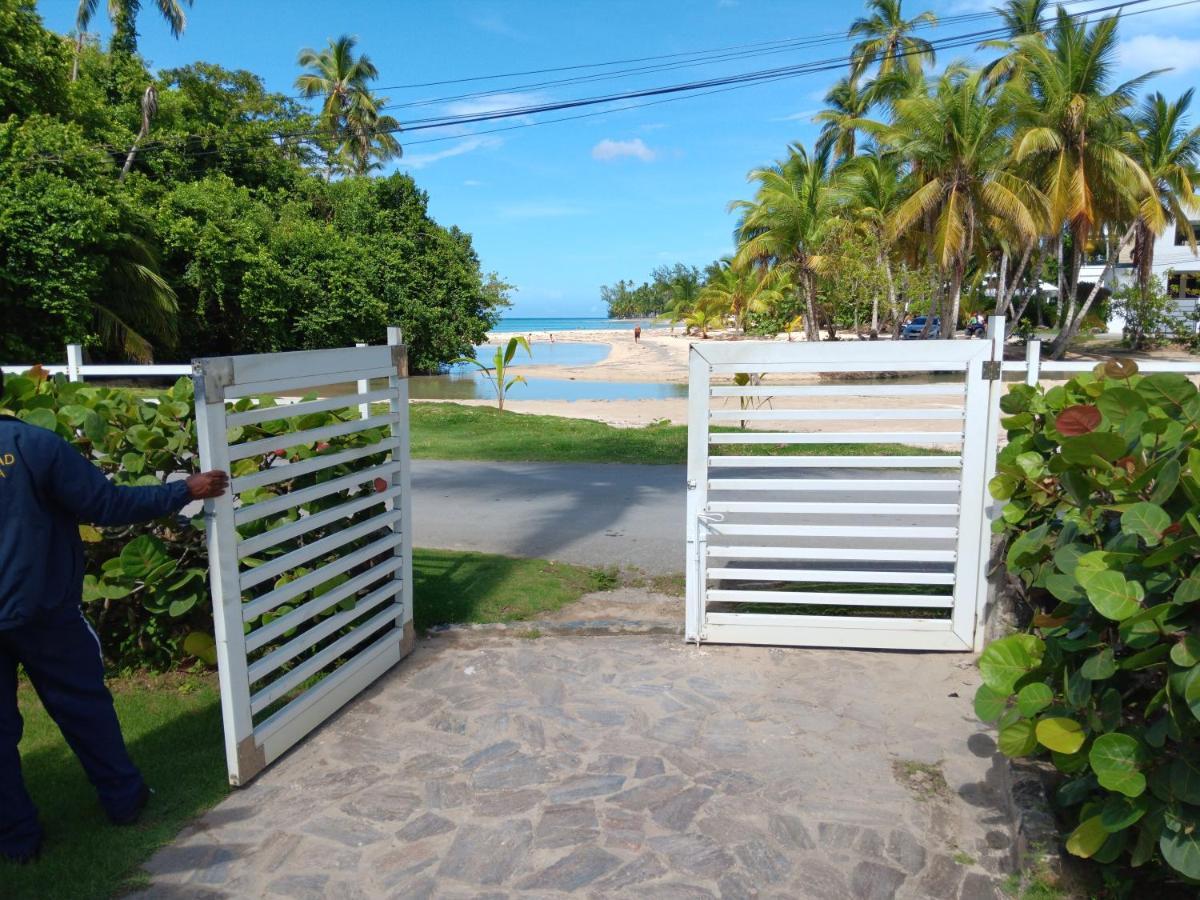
207,485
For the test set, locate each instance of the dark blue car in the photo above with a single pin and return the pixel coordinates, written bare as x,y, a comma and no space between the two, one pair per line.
912,331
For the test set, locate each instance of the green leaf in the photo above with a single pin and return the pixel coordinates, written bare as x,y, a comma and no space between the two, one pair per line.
1118,403
1181,850
143,555
1099,666
1187,652
1188,590
1087,838
1017,739
182,606
1170,552
1170,390
1115,758
989,705
1104,444
1185,779
42,418
1114,597
1002,487
1147,520
1060,733
1005,661
1033,698
201,646
1118,813
1191,691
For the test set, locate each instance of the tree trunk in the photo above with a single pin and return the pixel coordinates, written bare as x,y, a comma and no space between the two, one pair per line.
953,299
124,37
1001,287
810,304
891,289
1001,309
1068,330
149,108
75,62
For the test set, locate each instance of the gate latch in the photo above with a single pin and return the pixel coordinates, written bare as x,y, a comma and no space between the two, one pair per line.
992,369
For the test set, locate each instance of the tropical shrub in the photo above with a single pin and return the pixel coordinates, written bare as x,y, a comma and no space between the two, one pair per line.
146,586
1101,487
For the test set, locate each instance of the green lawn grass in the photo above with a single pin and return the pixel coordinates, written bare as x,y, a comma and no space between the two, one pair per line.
172,724
454,431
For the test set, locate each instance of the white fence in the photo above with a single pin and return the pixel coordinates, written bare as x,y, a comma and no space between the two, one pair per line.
310,552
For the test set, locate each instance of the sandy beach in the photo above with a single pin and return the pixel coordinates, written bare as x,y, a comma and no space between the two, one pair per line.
659,356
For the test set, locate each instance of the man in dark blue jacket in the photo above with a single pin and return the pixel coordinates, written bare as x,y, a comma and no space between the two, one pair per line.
47,489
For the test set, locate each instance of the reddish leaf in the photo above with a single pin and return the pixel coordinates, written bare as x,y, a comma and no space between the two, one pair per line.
1076,420
380,485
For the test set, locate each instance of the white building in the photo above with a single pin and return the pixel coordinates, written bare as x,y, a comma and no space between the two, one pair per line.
1175,264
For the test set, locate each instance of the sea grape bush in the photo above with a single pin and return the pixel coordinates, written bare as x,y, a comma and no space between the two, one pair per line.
1101,487
146,586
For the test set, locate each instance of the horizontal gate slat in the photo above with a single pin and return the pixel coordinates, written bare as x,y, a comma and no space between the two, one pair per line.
312,436
835,462
720,618
261,668
304,407
836,437
292,499
835,509
840,390
272,599
280,564
832,598
931,366
833,484
923,532
263,635
313,464
307,380
837,576
286,726
802,631
315,663
857,554
832,415
301,526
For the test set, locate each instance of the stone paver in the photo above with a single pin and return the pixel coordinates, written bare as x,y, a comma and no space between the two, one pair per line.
627,766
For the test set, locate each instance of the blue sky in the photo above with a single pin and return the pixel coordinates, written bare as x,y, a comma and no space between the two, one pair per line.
560,209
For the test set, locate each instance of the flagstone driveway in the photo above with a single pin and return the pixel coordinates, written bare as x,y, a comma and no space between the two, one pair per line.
622,766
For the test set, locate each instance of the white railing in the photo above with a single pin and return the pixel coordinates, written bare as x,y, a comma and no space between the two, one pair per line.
1034,368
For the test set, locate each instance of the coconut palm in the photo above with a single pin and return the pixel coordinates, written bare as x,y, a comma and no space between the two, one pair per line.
739,291
870,190
349,111
1022,18
848,106
957,141
785,223
138,307
887,39
123,14
1071,134
1169,153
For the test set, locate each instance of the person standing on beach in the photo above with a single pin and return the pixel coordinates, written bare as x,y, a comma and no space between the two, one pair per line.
637,334
47,490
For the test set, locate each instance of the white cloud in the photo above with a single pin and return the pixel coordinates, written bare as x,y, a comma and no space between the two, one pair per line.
804,115
608,150
421,160
539,210
471,182
1151,51
493,103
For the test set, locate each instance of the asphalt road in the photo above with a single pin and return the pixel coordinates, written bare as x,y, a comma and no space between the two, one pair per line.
588,514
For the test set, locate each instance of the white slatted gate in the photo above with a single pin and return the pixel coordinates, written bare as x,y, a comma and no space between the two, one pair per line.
310,553
877,549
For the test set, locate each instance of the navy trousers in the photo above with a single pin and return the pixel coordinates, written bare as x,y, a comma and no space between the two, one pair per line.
61,656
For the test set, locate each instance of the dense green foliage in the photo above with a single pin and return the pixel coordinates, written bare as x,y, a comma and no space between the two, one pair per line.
1101,486
221,239
668,287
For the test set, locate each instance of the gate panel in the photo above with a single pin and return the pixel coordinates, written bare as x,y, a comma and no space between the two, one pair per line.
310,551
878,548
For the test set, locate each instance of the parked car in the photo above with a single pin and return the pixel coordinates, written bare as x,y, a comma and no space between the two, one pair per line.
912,331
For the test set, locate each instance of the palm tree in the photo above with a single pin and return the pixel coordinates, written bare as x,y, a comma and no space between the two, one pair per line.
738,292
785,223
349,111
1071,134
1022,18
870,190
848,106
957,142
1170,155
123,14
138,305
886,38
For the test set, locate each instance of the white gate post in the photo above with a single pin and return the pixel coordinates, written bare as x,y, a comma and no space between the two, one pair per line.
1033,362
991,508
697,493
74,362
243,756
402,478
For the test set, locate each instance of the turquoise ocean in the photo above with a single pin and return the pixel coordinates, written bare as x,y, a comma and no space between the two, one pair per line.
569,323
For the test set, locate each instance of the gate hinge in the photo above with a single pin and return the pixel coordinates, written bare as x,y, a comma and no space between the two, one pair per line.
992,370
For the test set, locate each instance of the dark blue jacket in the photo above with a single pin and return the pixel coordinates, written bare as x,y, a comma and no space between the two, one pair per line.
47,489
